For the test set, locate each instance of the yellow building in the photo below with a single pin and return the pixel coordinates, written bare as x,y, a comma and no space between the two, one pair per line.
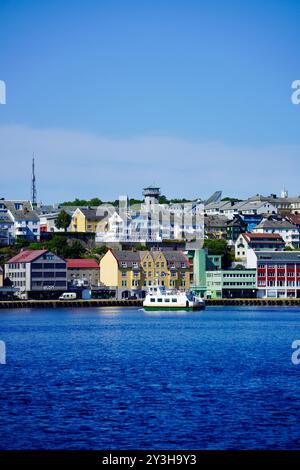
86,220
132,271
1,277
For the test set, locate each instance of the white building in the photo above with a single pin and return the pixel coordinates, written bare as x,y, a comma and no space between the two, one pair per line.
288,231
151,221
257,242
25,221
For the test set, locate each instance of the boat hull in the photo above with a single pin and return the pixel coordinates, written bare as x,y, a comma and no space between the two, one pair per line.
153,308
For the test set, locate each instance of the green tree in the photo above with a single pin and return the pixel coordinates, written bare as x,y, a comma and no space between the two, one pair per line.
95,201
74,250
216,246
231,199
63,220
163,200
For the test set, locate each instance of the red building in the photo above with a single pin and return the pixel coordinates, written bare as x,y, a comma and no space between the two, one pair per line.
278,273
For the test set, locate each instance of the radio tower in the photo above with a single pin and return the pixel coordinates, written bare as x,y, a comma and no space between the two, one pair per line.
33,185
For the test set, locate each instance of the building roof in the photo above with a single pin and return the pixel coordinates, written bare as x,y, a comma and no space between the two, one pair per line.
27,256
282,256
237,221
128,257
263,237
173,257
294,219
82,264
275,224
26,213
5,218
91,215
215,221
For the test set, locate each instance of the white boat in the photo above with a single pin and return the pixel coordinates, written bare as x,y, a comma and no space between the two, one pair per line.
160,298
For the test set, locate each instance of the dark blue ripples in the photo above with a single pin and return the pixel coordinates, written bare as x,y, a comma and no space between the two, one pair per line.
122,379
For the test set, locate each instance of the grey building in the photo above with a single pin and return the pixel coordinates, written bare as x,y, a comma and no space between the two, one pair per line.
37,274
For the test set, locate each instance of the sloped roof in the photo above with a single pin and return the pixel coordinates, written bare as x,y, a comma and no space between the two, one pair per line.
175,258
91,215
5,218
82,264
276,224
26,213
128,257
294,219
27,256
265,237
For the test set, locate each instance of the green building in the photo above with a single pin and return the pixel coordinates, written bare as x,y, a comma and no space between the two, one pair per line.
202,262
232,283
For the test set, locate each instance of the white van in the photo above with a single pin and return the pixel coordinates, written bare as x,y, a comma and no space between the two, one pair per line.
68,296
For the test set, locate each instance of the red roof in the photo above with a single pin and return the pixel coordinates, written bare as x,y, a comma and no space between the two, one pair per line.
294,218
82,263
27,256
258,236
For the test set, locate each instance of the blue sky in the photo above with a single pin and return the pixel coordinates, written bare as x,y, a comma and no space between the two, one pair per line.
114,95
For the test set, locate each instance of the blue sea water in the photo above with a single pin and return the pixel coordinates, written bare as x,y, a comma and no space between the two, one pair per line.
114,378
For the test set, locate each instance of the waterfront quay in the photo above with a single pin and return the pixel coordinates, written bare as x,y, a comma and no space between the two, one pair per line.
251,302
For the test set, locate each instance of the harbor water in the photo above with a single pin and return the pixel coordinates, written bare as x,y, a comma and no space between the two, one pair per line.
122,378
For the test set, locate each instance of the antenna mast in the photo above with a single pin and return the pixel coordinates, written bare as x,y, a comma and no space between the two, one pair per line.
33,185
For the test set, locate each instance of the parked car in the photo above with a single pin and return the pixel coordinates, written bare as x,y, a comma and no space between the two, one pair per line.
68,296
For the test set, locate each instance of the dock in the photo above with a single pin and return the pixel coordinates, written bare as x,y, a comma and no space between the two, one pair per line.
69,303
10,304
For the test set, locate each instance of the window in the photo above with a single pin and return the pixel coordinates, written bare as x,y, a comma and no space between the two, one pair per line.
152,300
174,300
49,265
167,300
60,265
124,283
37,274
159,299
49,274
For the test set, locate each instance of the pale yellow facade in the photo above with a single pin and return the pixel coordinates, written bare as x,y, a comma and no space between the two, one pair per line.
109,270
78,222
82,223
150,269
1,277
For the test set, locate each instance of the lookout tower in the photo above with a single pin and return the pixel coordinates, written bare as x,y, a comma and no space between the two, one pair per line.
151,195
